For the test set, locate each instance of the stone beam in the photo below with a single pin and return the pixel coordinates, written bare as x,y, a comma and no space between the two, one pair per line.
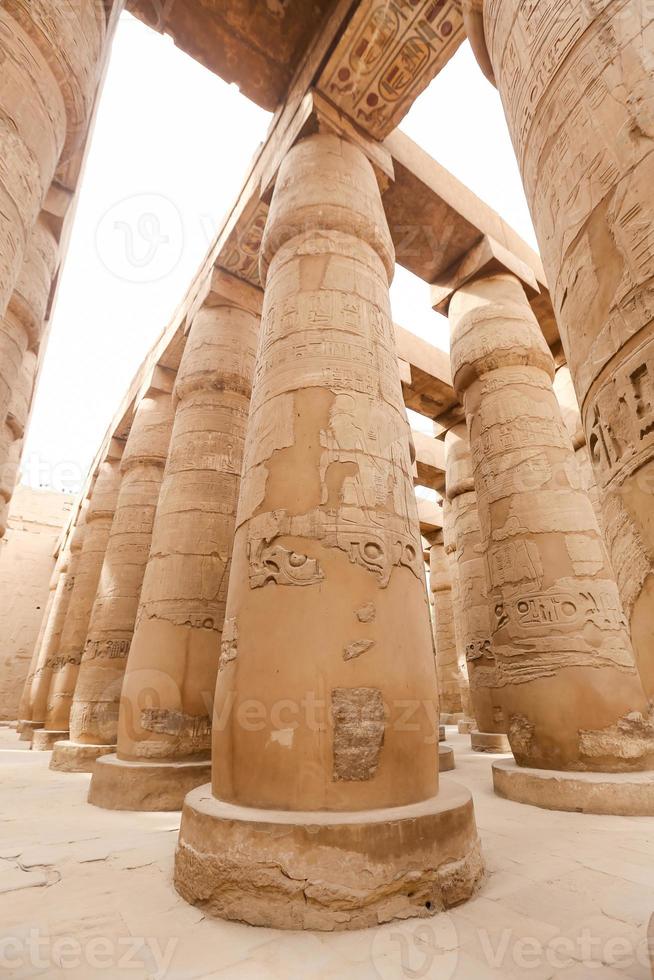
430,516
425,375
429,467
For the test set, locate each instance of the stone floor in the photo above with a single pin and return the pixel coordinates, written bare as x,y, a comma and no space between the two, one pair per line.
86,892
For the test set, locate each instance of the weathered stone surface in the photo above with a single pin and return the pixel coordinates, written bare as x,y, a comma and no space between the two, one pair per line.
577,85
119,784
489,742
448,667
446,758
472,611
559,635
94,711
98,519
326,525
621,794
328,871
50,54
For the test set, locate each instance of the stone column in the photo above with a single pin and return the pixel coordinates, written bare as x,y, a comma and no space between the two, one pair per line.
13,432
50,54
447,663
570,688
571,414
472,614
94,712
25,725
577,85
325,811
45,738
98,518
164,731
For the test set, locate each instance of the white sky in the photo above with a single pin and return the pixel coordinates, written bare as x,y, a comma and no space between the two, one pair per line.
170,149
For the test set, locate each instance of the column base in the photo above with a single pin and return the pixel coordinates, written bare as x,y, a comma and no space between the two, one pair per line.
489,742
466,726
441,733
118,784
328,871
43,740
26,730
625,794
77,757
451,719
446,758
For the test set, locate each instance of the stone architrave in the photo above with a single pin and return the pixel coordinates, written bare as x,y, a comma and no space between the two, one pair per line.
325,810
50,54
577,85
94,711
447,663
570,688
472,614
164,730
99,515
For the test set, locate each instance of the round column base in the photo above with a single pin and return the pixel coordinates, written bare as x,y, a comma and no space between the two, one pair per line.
118,784
625,794
489,742
451,719
441,733
26,730
328,871
446,758
77,757
466,726
44,740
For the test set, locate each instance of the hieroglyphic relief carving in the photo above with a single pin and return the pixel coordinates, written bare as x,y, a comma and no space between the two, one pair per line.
555,602
577,87
274,563
241,253
387,55
448,668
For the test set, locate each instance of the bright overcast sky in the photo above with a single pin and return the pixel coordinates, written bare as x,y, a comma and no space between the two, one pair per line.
170,149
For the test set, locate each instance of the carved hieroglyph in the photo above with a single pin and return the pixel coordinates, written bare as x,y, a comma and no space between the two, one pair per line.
326,694
50,55
560,637
447,662
577,82
472,613
94,713
327,517
25,706
176,646
13,431
65,669
388,54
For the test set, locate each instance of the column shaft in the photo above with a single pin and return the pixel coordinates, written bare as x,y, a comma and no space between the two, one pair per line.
447,663
94,713
50,54
99,517
559,635
577,85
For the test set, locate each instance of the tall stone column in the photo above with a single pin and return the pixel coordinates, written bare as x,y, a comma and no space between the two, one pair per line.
94,711
51,58
164,730
26,726
13,432
570,688
472,614
447,663
571,414
45,738
325,811
99,515
577,85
